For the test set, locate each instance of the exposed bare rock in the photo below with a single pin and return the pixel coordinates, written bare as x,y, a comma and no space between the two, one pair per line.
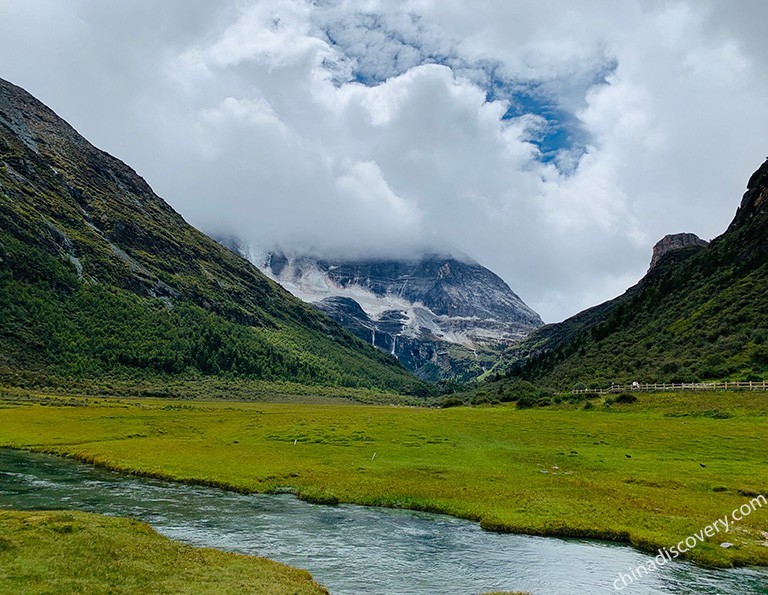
443,316
672,242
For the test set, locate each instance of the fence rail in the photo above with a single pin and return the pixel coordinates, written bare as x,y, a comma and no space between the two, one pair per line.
684,386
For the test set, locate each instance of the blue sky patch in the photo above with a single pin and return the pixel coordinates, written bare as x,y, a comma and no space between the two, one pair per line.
372,49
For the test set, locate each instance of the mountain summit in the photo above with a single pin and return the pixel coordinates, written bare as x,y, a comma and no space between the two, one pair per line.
672,242
442,316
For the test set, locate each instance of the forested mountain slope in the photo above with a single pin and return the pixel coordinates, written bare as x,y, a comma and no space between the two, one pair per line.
700,313
100,277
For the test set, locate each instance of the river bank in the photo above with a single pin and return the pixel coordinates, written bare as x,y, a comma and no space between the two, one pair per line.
649,474
78,552
347,548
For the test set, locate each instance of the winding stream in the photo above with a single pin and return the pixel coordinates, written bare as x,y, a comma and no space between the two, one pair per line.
353,549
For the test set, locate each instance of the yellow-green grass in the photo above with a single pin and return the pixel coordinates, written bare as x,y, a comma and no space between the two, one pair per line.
31,386
74,552
651,473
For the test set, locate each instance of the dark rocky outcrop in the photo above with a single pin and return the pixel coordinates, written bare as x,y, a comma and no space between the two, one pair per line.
672,242
446,285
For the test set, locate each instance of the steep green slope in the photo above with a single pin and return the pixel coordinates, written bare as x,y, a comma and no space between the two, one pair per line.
100,277
701,313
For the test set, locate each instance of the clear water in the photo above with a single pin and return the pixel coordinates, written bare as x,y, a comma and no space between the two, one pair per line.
353,549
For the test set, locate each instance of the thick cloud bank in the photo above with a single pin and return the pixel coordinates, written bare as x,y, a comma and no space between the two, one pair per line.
553,141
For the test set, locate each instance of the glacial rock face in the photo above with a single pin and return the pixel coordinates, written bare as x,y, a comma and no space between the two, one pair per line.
441,316
672,242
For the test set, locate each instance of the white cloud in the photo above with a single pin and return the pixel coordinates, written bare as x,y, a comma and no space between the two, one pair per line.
367,126
365,185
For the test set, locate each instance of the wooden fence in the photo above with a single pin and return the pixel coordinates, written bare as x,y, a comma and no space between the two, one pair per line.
669,387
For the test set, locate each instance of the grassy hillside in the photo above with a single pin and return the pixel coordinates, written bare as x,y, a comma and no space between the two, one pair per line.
75,552
700,314
100,277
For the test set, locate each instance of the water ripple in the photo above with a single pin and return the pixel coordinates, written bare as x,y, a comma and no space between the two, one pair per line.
353,549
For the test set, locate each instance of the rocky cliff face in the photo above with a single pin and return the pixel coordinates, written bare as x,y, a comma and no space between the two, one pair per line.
673,242
441,316
755,200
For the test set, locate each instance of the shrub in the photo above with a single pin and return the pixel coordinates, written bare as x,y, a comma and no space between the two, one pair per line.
717,414
579,397
522,389
625,398
451,402
760,355
508,397
531,401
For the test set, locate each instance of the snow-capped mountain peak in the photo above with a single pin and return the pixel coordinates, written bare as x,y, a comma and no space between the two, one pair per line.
426,310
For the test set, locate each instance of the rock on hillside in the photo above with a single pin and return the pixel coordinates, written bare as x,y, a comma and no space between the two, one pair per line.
672,242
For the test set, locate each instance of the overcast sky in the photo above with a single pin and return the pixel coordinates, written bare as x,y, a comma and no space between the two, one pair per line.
554,141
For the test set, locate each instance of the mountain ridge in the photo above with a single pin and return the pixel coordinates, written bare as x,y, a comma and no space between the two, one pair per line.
100,276
699,313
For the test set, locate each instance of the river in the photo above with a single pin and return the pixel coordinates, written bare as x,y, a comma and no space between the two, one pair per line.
354,549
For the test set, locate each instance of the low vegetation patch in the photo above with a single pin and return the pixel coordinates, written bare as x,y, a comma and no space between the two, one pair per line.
74,552
625,398
648,473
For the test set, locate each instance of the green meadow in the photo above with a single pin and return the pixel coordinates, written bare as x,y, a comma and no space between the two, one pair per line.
649,473
75,552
